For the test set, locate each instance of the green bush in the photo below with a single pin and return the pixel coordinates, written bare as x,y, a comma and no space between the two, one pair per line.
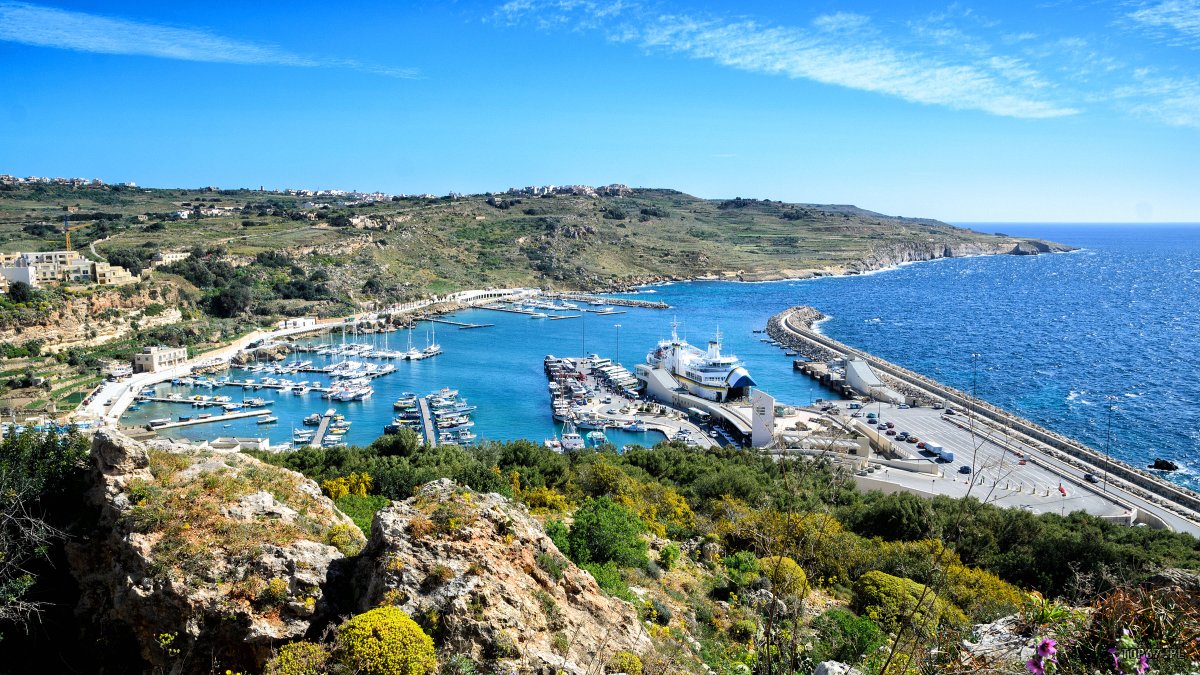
608,577
361,509
385,641
669,556
743,567
604,532
893,602
657,612
624,662
786,576
299,658
845,637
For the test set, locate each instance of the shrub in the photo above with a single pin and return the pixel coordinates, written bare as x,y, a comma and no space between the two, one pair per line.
361,509
669,556
608,577
786,576
624,662
605,531
385,641
299,658
893,601
743,629
345,538
437,576
419,528
553,565
557,531
547,499
743,567
657,612
275,592
845,637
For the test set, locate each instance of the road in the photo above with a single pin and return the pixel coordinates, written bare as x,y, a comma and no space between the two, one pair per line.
997,476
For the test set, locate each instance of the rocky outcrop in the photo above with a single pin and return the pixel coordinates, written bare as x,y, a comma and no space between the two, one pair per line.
894,255
103,315
205,559
483,573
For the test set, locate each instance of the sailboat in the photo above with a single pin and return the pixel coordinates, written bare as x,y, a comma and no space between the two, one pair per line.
433,348
413,353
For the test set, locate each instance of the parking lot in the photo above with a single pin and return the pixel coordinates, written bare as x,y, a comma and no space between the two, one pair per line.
993,464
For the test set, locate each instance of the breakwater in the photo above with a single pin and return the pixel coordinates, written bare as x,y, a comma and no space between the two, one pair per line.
794,328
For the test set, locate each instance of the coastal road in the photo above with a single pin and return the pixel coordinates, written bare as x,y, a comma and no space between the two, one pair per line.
991,457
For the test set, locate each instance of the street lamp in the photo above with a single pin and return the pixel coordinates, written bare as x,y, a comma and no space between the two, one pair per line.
618,355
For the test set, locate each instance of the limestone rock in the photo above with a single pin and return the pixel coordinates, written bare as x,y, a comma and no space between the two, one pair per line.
225,555
835,668
498,585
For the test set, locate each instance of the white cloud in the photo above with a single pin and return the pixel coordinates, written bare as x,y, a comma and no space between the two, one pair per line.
842,49
1171,100
1176,21
62,29
840,22
862,65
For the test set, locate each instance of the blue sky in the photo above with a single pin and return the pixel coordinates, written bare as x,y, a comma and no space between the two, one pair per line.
967,111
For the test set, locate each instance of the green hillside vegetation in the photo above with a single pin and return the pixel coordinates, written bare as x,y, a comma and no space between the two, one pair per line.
411,246
894,571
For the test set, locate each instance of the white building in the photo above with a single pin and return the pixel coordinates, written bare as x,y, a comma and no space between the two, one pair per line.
156,359
298,322
45,267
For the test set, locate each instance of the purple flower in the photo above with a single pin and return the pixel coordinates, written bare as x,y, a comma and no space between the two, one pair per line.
1047,648
1116,662
1034,666
1143,663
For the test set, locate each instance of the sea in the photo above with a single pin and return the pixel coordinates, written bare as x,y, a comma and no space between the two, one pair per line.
1100,344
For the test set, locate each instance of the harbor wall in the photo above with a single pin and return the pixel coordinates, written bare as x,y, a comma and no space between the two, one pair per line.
793,328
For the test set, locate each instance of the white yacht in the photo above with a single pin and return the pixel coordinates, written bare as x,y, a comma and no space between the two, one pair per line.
571,440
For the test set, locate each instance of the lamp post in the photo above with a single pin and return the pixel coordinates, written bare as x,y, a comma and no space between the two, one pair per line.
618,358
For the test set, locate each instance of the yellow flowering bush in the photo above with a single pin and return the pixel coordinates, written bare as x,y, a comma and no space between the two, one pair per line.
299,658
787,578
625,662
385,641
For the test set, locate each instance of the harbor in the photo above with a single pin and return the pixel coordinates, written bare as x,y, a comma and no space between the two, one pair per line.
497,374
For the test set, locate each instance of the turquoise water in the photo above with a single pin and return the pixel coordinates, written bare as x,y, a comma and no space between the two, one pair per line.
1056,335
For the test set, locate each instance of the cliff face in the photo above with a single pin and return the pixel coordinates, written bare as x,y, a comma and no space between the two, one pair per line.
98,318
497,585
205,559
897,254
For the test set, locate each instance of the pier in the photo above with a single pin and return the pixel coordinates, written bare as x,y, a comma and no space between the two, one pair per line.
563,316
431,437
209,420
322,429
460,324
623,302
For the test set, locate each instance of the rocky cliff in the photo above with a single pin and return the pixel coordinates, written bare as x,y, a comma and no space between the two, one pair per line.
482,574
207,560
102,315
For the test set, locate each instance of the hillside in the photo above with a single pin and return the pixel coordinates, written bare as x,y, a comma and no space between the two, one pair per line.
412,245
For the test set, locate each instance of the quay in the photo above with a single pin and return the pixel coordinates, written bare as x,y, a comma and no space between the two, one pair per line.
1151,500
322,429
460,324
623,302
431,436
208,420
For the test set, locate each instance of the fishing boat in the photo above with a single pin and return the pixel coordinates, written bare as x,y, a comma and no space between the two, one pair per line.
269,419
635,426
571,440
596,438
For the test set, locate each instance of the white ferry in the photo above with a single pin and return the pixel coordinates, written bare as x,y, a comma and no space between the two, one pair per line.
707,374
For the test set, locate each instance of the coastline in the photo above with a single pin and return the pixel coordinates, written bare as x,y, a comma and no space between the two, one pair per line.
874,264
796,326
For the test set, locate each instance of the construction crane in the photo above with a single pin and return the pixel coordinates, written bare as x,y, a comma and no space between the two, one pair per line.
68,229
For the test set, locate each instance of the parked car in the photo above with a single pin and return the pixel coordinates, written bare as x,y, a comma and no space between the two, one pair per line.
903,406
1091,478
891,432
912,439
964,469
891,425
881,427
921,445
